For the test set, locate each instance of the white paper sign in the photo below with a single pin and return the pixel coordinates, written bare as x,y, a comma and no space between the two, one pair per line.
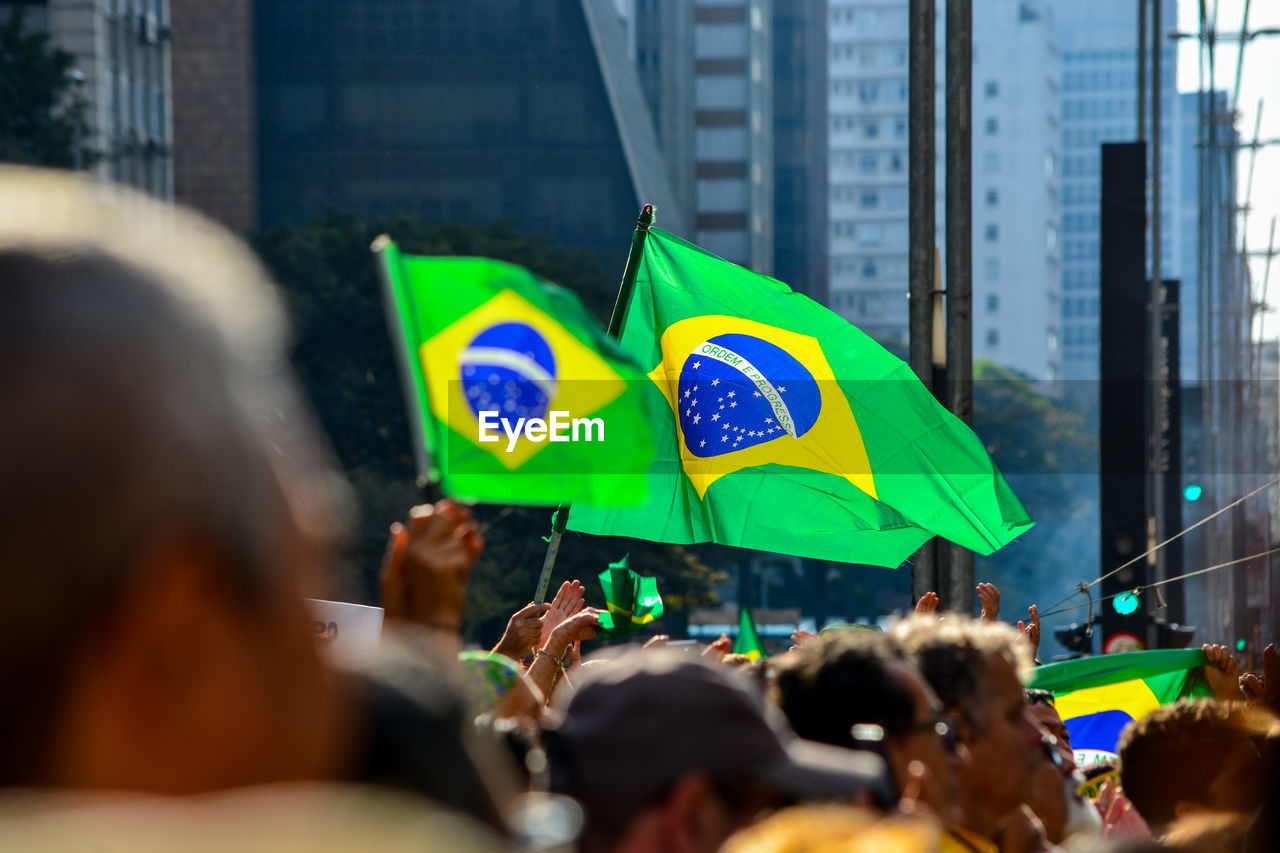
352,629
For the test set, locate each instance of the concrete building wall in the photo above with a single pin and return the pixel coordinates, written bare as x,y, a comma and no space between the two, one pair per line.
214,122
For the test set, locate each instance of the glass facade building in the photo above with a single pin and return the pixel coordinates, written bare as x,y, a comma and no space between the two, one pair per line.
460,112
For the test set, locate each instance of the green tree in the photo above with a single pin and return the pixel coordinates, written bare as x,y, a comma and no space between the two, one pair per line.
43,115
346,364
1049,455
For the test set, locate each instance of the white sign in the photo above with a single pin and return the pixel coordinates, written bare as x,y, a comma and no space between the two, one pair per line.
351,629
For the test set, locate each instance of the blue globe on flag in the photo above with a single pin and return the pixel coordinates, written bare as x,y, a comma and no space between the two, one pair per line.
509,369
738,391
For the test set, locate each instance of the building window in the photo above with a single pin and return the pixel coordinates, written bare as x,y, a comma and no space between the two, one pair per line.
868,163
869,234
993,198
895,163
900,128
895,198
868,92
992,89
992,126
993,338
870,129
992,233
869,200
869,268
993,303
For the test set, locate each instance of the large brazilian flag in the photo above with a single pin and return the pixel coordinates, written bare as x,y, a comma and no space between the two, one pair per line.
789,430
1098,696
486,346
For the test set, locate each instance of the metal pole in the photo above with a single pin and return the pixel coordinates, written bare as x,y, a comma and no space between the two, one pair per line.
616,321
1142,68
1157,378
921,151
959,201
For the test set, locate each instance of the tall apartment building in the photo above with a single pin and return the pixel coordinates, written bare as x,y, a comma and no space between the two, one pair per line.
1016,177
705,67
122,50
1099,48
457,112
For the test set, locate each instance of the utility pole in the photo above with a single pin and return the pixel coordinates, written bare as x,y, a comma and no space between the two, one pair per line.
922,304
958,590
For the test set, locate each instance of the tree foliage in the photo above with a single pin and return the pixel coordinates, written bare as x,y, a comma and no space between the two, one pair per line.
43,116
345,361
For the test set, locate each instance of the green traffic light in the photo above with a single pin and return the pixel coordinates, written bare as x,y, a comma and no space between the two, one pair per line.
1192,491
1240,645
1125,603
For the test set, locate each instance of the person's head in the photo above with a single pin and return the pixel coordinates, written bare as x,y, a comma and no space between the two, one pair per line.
1195,756
973,667
843,679
1044,713
160,498
669,753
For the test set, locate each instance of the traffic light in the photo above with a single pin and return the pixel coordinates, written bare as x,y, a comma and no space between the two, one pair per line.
1171,635
1192,491
1077,637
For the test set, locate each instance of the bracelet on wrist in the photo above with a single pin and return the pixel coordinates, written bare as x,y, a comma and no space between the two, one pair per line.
561,662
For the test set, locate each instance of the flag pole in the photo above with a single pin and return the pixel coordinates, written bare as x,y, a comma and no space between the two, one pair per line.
616,320
385,253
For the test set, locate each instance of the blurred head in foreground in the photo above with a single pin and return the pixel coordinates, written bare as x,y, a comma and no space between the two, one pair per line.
161,499
1196,757
667,753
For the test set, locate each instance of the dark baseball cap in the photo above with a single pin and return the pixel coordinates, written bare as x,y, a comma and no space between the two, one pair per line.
637,724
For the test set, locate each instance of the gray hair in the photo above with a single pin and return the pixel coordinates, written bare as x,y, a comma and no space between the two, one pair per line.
953,654
143,373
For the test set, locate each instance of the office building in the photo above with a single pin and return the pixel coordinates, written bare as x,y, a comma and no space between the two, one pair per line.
458,112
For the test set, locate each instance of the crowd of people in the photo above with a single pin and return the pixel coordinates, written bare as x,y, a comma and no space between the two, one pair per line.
167,503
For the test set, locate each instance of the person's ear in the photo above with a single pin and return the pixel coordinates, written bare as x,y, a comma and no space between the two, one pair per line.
693,817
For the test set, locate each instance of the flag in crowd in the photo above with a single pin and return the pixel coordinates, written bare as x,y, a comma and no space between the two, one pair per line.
748,641
632,601
1098,696
790,430
518,395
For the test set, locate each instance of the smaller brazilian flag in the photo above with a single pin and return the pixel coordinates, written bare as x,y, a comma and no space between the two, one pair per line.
1098,696
517,395
748,642
632,600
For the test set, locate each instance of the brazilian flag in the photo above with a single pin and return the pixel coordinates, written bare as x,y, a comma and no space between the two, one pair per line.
517,395
748,641
1098,696
789,430
632,600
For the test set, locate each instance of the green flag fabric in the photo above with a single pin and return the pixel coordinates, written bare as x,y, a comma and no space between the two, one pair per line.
632,600
787,429
517,394
748,641
1098,696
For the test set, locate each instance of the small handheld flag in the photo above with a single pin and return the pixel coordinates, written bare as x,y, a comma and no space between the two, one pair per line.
632,601
748,641
516,393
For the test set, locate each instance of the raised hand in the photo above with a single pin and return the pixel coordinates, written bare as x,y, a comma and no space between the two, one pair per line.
1265,690
569,599
989,596
716,651
1031,629
928,603
427,563
799,637
524,632
1222,671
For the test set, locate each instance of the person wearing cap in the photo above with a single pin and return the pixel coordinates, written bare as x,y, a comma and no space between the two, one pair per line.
666,754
